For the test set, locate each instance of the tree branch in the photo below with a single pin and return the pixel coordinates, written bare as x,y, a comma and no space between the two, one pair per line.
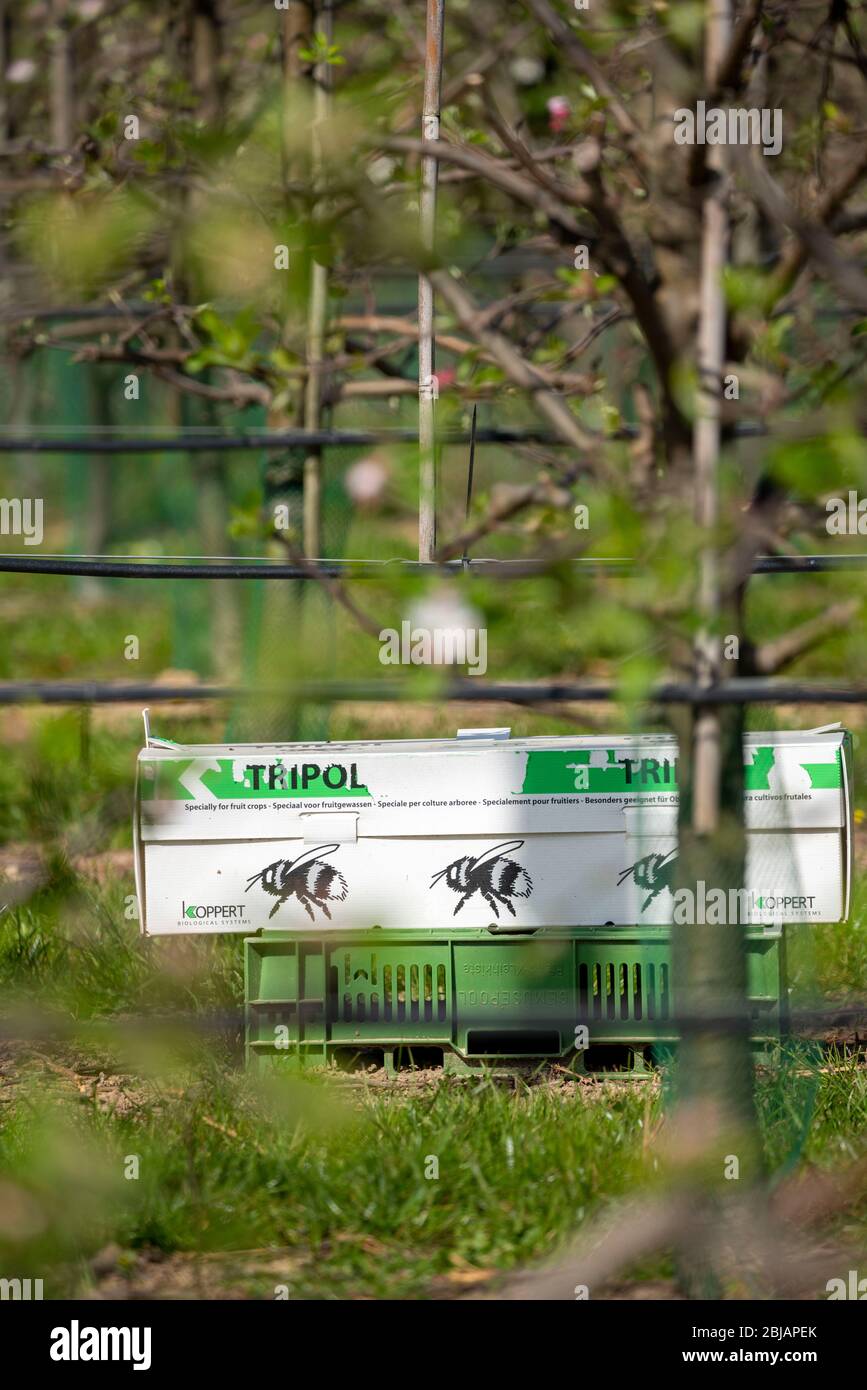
539,494
524,190
809,234
581,58
517,369
332,586
613,245
772,657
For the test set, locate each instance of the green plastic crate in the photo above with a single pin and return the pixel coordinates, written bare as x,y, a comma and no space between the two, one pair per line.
475,997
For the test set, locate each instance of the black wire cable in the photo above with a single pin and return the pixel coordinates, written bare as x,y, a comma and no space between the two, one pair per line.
108,567
466,689
267,569
254,439
287,439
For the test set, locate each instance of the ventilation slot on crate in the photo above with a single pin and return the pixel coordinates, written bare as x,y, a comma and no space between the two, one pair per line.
414,994
513,1044
625,991
658,1000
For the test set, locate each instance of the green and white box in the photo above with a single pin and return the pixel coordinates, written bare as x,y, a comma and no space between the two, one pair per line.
473,831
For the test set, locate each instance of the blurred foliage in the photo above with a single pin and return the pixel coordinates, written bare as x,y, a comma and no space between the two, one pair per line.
163,257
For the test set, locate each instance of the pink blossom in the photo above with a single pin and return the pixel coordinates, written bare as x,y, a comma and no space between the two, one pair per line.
559,111
366,480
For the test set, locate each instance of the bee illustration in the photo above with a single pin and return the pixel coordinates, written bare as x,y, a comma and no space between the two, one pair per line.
310,880
653,873
493,875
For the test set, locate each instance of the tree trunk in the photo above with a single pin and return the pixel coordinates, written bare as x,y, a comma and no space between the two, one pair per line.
206,50
283,604
5,60
211,470
715,1118
213,523
62,115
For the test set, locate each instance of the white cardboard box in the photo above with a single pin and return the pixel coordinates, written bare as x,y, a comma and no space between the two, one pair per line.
472,831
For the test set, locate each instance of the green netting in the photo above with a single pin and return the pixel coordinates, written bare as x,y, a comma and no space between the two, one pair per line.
280,612
177,504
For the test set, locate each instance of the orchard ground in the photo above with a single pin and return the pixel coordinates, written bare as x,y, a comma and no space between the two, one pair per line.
139,1159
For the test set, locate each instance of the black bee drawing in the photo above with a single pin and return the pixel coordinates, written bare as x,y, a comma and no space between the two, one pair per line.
654,872
493,875
307,878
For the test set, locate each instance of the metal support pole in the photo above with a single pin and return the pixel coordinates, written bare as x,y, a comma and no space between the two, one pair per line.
427,383
318,308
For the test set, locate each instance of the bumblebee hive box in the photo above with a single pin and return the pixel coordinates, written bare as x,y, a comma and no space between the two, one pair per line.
470,832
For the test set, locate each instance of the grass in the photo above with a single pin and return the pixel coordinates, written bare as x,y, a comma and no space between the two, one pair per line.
71,950
344,1189
375,1195
355,1192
